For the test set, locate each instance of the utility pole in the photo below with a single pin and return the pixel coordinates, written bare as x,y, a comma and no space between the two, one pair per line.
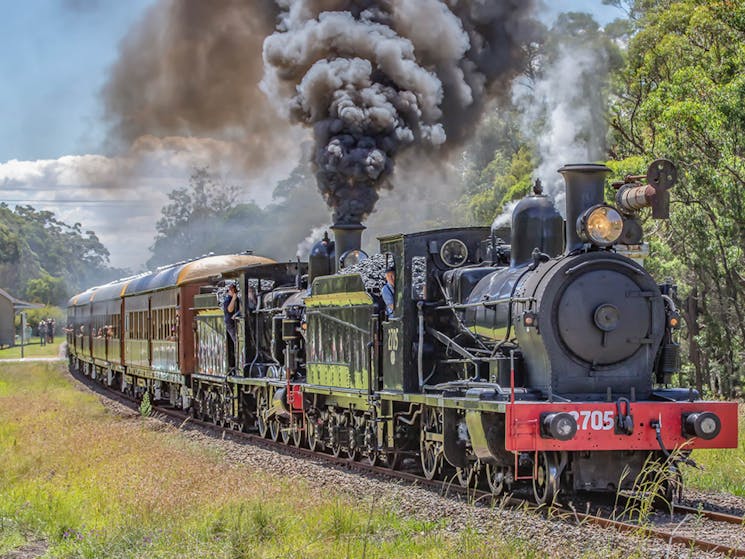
23,332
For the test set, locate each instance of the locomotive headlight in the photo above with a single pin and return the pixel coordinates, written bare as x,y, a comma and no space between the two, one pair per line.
705,425
351,258
601,225
560,426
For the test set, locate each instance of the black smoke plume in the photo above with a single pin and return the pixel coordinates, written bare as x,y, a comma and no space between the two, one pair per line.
373,78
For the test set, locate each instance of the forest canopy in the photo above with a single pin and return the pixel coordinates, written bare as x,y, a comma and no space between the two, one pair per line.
675,88
44,260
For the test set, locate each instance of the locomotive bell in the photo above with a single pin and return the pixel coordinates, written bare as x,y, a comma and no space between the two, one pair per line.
535,224
584,189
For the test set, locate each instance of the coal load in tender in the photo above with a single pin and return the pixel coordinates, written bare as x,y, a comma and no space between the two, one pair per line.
418,270
372,270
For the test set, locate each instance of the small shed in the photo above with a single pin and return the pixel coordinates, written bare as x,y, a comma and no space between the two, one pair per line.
9,306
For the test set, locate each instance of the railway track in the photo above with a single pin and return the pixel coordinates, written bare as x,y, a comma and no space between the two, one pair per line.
720,528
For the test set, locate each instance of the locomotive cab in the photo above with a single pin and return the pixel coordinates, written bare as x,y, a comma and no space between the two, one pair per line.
411,357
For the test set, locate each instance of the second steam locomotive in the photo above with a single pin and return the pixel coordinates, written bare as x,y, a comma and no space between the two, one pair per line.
546,361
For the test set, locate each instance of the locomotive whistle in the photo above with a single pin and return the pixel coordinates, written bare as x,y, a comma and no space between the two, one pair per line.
633,196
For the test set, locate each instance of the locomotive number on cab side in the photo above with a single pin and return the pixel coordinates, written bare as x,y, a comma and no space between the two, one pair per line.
393,344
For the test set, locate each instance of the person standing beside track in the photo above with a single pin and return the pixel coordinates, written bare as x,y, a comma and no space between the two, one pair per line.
42,330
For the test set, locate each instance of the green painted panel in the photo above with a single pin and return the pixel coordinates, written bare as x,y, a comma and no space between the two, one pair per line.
492,333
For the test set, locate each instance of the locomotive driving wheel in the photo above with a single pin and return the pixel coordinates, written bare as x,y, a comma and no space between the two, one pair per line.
298,433
496,477
335,427
354,427
262,402
275,429
468,476
275,425
313,434
546,479
372,453
431,449
285,432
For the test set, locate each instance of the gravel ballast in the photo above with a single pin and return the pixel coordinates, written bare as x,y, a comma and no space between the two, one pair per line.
553,536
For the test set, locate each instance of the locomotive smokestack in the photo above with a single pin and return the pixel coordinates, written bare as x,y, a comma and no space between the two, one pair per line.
347,237
584,184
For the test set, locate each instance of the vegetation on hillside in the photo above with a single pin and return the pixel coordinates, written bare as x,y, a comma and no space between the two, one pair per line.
208,215
43,259
681,95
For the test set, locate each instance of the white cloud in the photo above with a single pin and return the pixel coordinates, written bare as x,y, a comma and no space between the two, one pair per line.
120,198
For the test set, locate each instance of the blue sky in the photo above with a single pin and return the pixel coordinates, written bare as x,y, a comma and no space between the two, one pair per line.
53,63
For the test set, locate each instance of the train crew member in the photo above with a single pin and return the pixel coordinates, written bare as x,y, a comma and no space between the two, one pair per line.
389,290
231,307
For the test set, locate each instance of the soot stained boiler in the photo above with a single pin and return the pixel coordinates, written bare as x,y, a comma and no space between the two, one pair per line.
547,361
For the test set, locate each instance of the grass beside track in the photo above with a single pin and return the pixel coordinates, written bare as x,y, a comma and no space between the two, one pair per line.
31,350
91,484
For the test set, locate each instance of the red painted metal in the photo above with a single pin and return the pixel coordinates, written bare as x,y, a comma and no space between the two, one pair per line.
295,397
596,421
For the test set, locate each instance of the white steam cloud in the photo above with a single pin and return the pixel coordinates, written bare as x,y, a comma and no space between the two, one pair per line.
565,112
120,198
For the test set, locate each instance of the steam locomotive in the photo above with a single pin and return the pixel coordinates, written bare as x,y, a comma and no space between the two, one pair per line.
544,362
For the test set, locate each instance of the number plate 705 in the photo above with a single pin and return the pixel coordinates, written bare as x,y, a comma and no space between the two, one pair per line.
595,420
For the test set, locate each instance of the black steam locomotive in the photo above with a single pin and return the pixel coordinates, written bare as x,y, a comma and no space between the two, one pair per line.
546,360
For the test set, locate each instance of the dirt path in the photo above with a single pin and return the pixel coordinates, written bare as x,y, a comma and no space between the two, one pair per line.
32,360
29,551
61,355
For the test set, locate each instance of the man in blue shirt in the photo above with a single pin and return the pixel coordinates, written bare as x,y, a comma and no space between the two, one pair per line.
389,290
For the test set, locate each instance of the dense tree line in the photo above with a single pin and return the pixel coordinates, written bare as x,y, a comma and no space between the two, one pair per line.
43,259
681,94
208,216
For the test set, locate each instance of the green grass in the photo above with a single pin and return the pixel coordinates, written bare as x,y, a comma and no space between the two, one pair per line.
91,484
723,469
32,350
